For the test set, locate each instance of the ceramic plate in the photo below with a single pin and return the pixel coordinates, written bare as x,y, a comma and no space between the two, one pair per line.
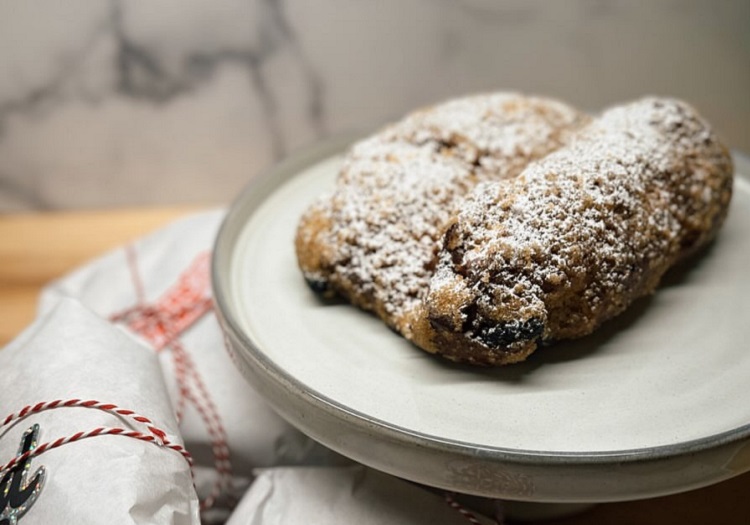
654,402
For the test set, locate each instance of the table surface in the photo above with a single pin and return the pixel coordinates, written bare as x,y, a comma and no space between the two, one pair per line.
36,248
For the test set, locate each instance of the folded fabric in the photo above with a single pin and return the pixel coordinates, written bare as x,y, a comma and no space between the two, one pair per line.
344,495
158,290
90,434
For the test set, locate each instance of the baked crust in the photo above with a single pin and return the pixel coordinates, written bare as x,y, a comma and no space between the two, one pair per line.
486,226
374,240
578,236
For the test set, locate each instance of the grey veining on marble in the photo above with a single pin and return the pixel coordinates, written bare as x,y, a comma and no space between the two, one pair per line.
132,102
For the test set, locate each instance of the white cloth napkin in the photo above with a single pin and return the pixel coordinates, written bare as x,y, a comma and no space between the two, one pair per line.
256,436
343,495
72,353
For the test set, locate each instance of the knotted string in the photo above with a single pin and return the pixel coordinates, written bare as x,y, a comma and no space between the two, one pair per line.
161,324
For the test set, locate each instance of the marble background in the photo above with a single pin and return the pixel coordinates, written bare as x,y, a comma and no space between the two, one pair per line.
133,102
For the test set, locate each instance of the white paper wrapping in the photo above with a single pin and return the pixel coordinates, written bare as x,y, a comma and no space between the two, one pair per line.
73,353
256,436
345,496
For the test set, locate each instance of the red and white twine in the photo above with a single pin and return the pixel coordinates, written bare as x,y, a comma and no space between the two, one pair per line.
466,513
105,407
461,509
153,434
161,324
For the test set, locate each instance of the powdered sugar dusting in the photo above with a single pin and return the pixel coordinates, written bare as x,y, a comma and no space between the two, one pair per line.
398,189
482,226
584,231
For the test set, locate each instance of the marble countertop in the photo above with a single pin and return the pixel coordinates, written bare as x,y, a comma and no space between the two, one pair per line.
121,102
